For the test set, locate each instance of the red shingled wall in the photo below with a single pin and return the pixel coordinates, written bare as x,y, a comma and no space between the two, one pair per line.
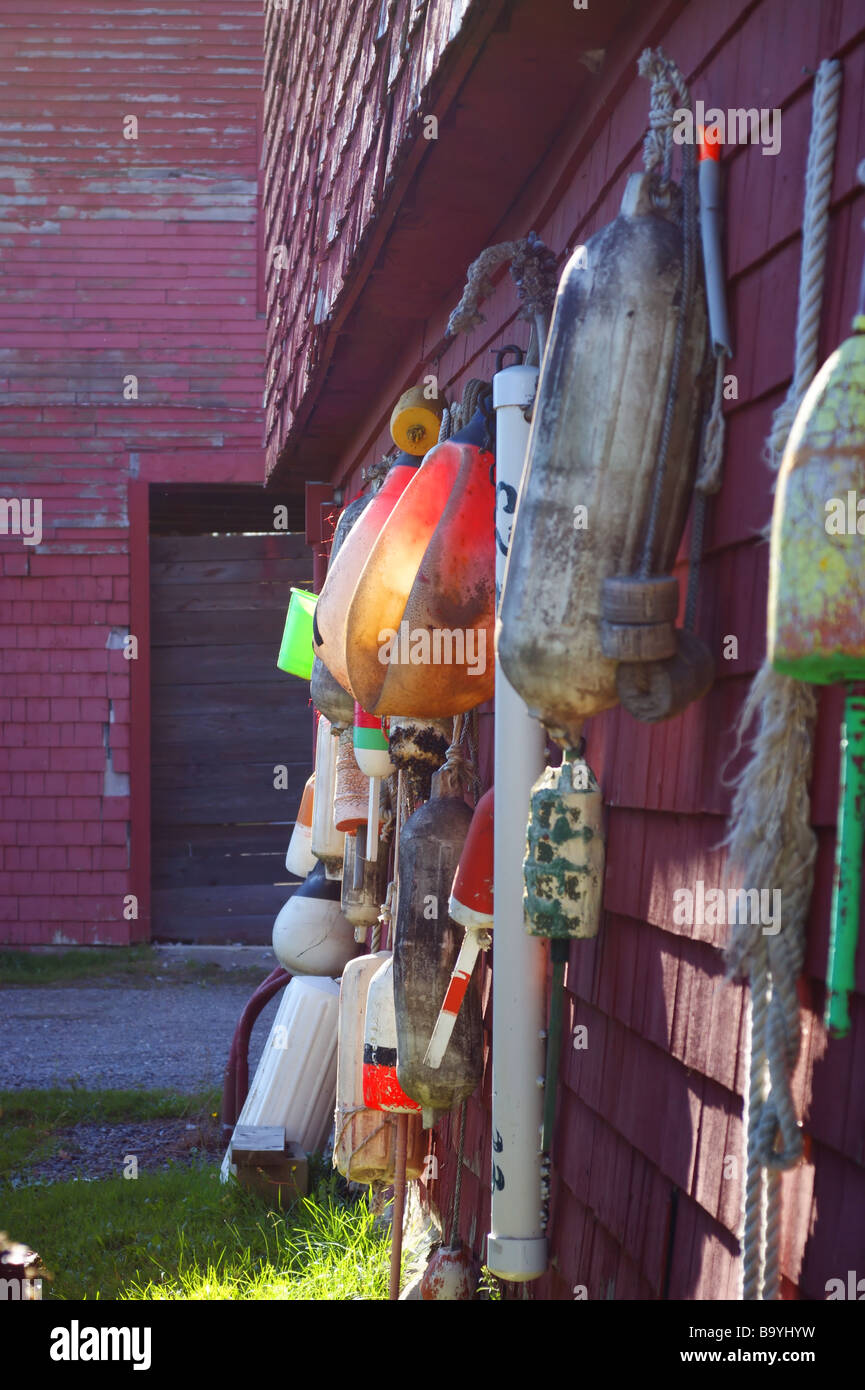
648,1112
118,256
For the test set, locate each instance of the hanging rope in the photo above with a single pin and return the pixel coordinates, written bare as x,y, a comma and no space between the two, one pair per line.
456,761
375,474
815,233
668,93
458,1182
709,477
770,837
533,267
667,83
457,415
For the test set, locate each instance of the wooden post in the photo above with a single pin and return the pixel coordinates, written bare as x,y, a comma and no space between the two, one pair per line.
398,1207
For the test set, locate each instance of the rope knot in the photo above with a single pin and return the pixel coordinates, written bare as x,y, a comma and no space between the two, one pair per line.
668,94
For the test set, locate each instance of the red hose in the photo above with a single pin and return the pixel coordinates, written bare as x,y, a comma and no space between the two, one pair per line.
235,1086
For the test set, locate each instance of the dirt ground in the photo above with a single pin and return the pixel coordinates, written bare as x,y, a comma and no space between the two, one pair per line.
170,1029
102,1151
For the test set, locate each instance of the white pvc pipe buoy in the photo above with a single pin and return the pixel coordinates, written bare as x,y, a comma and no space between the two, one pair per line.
516,1246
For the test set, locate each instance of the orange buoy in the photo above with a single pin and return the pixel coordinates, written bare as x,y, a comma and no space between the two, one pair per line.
421,616
329,637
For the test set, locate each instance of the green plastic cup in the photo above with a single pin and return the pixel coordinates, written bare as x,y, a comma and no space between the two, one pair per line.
295,652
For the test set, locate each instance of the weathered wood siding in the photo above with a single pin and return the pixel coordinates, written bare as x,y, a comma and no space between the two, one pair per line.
118,257
344,89
231,734
651,1109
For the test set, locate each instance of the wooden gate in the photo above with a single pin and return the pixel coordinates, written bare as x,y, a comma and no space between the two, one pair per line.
225,722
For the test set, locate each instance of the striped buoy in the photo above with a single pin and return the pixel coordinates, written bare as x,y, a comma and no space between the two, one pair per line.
299,858
470,904
373,759
381,1089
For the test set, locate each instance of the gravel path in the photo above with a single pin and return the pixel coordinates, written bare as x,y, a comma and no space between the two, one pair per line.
123,1036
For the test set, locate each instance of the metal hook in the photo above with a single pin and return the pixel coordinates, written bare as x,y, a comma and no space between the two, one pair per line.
502,352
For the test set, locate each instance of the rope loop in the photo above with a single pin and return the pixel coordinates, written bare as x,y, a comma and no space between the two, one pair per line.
533,267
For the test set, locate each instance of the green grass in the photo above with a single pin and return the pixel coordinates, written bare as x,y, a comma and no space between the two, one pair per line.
185,1235
129,964
179,1234
46,968
29,1119
323,1249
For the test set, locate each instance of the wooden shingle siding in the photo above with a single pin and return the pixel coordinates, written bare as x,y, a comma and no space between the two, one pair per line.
343,97
117,257
649,1112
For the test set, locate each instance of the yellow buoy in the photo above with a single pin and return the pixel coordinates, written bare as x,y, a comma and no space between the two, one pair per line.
415,422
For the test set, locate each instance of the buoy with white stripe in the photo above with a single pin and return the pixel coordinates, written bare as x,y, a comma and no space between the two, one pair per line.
365,1141
373,759
381,1089
471,905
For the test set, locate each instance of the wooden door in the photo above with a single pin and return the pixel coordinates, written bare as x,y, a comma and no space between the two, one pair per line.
224,721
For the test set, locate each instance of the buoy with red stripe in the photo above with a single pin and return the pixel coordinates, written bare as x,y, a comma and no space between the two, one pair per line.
373,759
365,1141
451,1276
426,946
381,1088
471,905
299,858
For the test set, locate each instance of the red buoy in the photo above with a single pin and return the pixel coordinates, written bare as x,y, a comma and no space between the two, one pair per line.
471,900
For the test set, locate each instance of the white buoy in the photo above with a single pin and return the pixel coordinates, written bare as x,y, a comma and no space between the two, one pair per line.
327,841
295,1082
310,934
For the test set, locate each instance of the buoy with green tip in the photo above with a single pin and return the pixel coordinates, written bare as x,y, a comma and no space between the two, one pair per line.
564,883
817,609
